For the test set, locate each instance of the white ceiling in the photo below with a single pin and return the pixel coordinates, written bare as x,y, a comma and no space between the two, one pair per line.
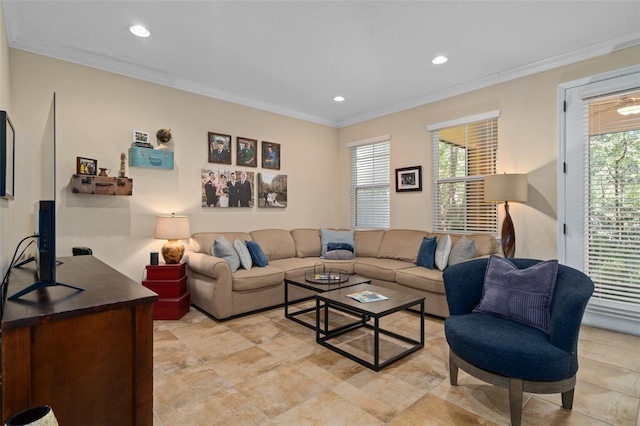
293,57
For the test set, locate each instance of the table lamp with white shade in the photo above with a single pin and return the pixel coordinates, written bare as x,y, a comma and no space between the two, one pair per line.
505,188
172,228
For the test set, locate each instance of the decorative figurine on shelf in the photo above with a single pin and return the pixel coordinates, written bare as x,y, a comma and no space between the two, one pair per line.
123,157
164,137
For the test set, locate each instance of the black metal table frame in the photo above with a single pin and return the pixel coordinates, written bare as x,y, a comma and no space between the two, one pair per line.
292,315
324,335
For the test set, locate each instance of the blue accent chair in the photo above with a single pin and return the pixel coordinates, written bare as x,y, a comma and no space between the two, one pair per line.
510,354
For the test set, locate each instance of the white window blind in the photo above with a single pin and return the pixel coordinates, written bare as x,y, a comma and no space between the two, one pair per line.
370,167
612,197
463,154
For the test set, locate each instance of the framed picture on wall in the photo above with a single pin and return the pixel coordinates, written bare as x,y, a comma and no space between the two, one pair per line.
270,155
86,166
409,179
246,152
219,147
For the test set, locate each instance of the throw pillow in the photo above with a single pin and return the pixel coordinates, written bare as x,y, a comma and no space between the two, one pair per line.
223,249
463,249
522,295
442,252
257,255
427,252
243,254
339,255
329,235
340,246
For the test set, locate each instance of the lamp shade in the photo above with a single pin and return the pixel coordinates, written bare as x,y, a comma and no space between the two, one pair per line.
505,187
172,227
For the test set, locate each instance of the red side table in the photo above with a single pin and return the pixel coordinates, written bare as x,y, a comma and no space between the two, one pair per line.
169,281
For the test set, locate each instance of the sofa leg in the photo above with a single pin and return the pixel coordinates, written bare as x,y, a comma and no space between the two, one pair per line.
567,399
516,387
453,371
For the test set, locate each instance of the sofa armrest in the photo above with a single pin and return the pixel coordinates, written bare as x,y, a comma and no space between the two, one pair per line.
208,265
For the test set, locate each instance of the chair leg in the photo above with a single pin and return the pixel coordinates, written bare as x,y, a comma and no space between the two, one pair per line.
453,371
516,387
567,399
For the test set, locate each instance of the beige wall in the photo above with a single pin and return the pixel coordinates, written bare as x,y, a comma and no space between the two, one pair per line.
528,143
96,114
97,111
6,240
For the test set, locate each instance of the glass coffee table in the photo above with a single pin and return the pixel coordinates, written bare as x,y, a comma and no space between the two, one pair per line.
298,280
397,346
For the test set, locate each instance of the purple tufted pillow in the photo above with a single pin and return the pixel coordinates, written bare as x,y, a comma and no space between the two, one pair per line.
522,295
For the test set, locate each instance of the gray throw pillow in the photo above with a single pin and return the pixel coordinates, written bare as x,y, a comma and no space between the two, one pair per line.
339,255
243,254
223,249
463,249
331,236
522,295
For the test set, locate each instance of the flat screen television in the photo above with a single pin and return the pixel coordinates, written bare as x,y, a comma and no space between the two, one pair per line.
46,226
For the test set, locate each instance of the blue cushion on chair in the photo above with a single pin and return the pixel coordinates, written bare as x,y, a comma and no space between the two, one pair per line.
507,348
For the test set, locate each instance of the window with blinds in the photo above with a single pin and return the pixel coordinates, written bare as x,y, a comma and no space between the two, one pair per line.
612,196
370,167
464,151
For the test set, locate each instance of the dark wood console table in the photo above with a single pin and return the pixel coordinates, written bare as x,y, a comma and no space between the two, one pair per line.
88,354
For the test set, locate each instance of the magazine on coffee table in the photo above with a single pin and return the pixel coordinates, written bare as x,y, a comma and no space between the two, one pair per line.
367,296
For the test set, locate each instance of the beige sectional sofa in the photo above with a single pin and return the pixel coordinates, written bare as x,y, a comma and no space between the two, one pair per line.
386,256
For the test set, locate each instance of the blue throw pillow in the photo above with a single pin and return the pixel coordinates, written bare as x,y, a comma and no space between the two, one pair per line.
522,295
340,246
257,255
427,252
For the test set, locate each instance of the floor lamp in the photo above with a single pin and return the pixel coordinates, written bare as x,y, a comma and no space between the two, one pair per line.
505,188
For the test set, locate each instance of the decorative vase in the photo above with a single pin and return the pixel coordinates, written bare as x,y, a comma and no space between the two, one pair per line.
41,415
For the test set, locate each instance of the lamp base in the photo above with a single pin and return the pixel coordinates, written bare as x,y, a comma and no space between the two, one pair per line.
172,251
508,235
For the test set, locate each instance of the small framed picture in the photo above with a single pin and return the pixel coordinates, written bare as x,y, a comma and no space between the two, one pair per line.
246,152
219,147
86,166
409,179
140,137
270,155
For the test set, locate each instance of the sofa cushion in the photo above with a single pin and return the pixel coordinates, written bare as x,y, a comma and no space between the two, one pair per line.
296,265
485,244
367,243
257,255
400,244
335,236
381,269
463,249
427,252
223,249
275,243
522,295
307,242
443,249
421,279
243,254
254,278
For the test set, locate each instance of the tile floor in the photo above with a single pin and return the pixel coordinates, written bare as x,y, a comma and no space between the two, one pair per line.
263,369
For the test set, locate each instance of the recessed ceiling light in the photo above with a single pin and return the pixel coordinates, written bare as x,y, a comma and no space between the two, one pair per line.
339,99
439,60
139,30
